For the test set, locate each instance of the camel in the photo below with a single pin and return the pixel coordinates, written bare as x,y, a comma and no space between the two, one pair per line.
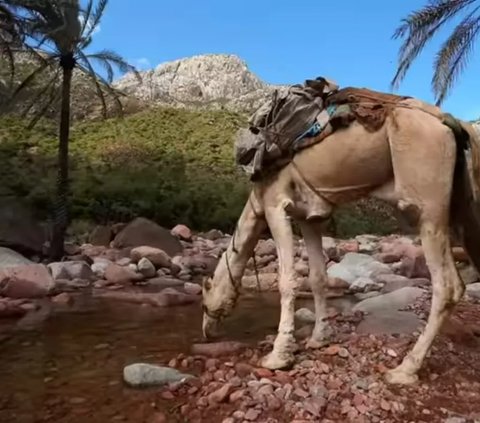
416,160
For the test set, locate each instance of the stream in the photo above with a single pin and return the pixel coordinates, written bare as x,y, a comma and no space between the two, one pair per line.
67,366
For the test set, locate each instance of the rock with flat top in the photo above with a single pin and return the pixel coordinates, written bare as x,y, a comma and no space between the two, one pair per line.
144,232
143,374
392,301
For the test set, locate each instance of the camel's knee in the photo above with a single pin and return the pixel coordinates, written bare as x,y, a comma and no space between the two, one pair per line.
288,286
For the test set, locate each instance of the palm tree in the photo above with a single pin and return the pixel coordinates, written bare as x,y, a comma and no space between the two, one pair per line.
60,31
419,27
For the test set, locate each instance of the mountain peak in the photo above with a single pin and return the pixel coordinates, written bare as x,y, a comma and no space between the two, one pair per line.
200,81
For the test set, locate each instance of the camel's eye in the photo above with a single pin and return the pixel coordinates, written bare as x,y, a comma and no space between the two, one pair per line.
207,285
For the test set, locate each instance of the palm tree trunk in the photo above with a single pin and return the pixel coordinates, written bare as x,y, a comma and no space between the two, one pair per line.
60,222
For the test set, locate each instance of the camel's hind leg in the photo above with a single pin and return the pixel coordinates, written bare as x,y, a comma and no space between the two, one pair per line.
447,291
423,153
312,235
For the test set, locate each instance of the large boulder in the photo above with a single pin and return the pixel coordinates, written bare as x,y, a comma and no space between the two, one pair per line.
120,275
71,270
10,258
101,235
26,281
393,301
156,256
18,228
144,232
356,265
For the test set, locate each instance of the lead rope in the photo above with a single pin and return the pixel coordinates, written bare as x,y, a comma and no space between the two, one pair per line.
234,249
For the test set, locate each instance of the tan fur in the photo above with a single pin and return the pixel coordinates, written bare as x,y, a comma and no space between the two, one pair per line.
410,161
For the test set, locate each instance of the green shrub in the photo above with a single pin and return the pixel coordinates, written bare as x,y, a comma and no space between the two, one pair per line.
170,165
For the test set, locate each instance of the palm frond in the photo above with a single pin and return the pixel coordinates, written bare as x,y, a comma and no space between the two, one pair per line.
419,28
54,96
107,57
86,68
30,78
453,56
9,37
96,16
87,13
48,88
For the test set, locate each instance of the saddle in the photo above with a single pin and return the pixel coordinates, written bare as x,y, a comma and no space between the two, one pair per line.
306,114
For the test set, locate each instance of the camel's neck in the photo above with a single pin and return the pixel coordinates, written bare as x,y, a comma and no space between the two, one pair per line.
245,237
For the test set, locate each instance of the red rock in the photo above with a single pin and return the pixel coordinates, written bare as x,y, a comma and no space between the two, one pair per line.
157,257
414,264
220,395
183,232
387,258
158,417
211,364
62,299
324,367
337,283
167,298
301,393
362,408
121,275
252,414
358,399
239,415
315,406
273,403
192,288
262,372
217,349
264,390
237,395
26,281
412,257
348,247
219,375
282,377
385,405
243,369
332,350
167,395
10,309
93,250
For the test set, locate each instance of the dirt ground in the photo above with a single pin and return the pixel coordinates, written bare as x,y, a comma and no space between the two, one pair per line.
340,382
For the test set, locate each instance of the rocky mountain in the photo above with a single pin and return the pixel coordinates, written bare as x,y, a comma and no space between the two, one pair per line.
212,81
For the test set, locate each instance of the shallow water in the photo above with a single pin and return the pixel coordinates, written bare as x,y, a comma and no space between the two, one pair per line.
68,367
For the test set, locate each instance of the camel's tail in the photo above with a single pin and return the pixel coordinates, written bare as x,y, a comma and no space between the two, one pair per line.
465,206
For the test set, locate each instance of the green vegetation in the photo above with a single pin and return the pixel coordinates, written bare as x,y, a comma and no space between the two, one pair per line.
55,36
170,165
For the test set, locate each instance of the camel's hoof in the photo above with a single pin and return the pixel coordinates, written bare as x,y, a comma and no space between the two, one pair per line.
400,377
273,362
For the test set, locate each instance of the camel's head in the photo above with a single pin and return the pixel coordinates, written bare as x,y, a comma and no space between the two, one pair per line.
219,299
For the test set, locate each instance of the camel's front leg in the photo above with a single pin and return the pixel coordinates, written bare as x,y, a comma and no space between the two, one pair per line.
284,345
312,235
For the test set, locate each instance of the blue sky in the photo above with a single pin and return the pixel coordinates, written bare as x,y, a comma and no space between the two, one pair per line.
348,41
